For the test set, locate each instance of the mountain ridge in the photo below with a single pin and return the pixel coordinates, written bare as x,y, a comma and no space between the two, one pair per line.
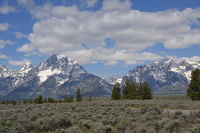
54,74
160,74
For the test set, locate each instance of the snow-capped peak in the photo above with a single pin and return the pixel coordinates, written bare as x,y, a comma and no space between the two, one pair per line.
61,67
5,72
166,60
60,56
27,66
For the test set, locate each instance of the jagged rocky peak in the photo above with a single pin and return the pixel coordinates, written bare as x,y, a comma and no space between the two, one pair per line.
166,64
189,64
6,72
3,68
27,66
61,67
66,60
187,61
51,60
158,74
57,62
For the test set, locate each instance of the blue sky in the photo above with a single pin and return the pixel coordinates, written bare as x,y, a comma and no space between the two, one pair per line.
107,37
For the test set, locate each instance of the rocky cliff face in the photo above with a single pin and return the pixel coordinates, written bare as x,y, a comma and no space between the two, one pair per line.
55,77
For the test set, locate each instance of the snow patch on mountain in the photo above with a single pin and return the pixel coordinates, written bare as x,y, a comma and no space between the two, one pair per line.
114,79
27,66
187,66
46,73
5,72
61,67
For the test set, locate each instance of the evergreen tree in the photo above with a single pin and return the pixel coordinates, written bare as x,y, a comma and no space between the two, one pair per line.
130,90
79,97
140,91
40,99
116,95
147,93
125,90
193,90
13,102
50,100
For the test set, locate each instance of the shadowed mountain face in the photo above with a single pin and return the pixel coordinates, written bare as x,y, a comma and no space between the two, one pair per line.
163,74
55,77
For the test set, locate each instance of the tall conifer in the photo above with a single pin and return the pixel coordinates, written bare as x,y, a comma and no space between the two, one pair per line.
116,95
79,97
193,90
147,93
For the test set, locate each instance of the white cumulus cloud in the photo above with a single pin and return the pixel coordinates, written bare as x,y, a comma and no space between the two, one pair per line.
3,43
20,35
5,8
66,29
4,56
111,63
4,26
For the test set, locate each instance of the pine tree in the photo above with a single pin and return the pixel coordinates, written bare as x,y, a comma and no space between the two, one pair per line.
79,97
40,99
140,91
116,95
13,102
130,90
147,93
126,90
193,90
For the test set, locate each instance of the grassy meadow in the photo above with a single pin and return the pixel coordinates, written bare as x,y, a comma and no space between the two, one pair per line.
104,116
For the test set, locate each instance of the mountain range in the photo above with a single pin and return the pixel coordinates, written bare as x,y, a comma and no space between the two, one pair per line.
59,75
56,77
164,76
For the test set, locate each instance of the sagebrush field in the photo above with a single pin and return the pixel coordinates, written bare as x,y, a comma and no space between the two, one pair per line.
163,114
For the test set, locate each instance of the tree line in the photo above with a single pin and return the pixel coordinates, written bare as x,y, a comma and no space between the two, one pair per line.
41,100
132,90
